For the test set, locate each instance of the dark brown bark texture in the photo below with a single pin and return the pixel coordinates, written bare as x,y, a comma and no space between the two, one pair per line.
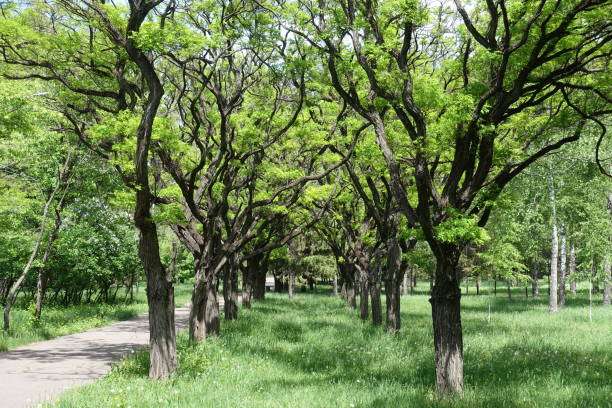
375,290
364,293
446,316
393,280
230,291
347,275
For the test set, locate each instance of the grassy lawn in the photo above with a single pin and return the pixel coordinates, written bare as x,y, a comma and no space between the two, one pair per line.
313,352
62,320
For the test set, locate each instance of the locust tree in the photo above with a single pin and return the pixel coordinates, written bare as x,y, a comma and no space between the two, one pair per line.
479,94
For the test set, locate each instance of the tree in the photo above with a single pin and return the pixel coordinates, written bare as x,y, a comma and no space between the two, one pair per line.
90,80
474,115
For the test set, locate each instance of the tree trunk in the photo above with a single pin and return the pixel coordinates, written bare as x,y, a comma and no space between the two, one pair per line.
478,286
562,270
535,288
259,274
607,282
572,269
554,253
198,305
230,289
335,286
392,284
406,281
12,294
376,304
348,276
41,284
446,317
364,292
160,298
160,292
291,284
212,324
247,286
509,285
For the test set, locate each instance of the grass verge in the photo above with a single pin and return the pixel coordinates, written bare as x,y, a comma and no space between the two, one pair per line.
314,352
63,320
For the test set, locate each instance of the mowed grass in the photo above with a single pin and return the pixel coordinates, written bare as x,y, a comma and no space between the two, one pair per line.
314,352
63,320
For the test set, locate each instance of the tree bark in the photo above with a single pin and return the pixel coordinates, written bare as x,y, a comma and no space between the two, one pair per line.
562,270
198,305
212,323
406,281
376,303
348,277
535,288
364,292
554,253
392,284
446,317
160,292
259,274
291,283
247,286
335,285
572,269
230,289
607,282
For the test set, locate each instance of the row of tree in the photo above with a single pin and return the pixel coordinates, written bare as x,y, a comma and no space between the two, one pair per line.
376,126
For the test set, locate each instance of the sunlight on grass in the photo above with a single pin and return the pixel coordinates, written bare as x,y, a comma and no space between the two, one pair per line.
313,352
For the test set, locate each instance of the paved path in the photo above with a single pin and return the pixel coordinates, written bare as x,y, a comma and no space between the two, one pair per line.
41,371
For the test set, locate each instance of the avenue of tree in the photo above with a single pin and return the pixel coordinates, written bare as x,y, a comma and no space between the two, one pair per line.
358,142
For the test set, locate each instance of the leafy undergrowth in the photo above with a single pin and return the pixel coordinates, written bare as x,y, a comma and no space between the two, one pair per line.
61,320
313,352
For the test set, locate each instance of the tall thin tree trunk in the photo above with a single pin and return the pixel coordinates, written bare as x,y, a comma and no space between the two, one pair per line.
509,285
572,269
562,269
41,284
554,253
607,282
12,294
607,262
535,288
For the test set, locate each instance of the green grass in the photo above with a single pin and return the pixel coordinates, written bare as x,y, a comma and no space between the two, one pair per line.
63,320
313,352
